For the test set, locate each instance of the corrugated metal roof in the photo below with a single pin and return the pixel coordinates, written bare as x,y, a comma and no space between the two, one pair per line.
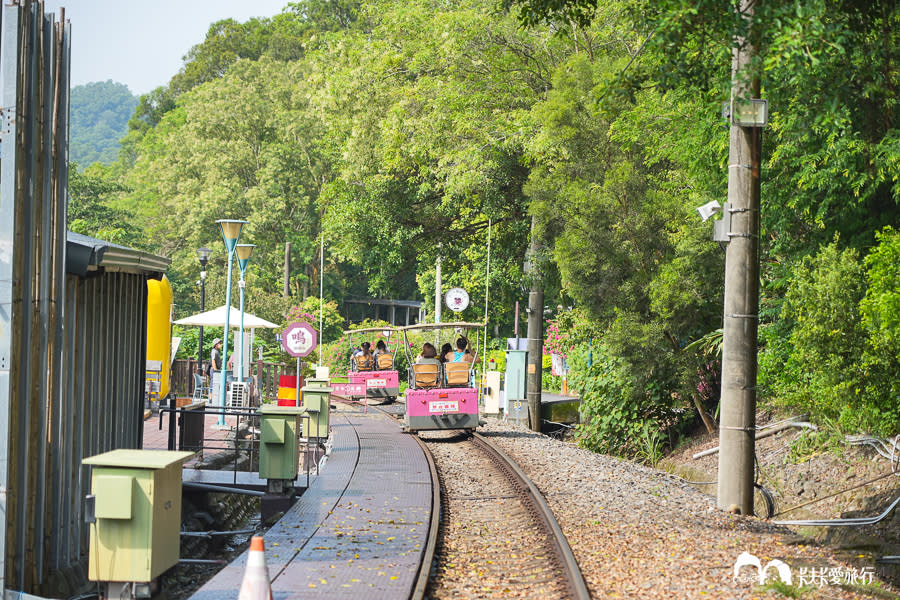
85,254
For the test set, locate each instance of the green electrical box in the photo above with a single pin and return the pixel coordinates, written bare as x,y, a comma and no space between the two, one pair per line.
135,536
516,375
317,400
279,457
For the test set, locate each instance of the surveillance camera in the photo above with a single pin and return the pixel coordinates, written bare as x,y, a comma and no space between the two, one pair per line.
709,209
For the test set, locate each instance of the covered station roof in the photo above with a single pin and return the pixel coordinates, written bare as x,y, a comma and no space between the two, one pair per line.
85,254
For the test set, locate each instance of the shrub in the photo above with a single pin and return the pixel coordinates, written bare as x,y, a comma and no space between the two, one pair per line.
821,370
609,422
633,380
880,312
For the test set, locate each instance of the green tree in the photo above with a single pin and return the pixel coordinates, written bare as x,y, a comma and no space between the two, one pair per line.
89,210
98,118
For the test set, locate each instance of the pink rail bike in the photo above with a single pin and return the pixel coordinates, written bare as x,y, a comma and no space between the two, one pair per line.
371,378
441,395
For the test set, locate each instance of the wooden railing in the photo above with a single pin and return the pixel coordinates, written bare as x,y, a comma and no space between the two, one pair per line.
265,376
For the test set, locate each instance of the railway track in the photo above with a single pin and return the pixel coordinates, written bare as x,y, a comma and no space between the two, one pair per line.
497,534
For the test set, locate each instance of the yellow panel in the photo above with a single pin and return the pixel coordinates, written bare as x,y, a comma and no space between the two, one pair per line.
159,328
114,496
286,393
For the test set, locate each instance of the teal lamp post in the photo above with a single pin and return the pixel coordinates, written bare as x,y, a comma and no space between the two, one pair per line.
243,256
231,233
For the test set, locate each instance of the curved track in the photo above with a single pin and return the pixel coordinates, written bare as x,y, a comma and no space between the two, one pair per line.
498,535
574,579
545,564
431,545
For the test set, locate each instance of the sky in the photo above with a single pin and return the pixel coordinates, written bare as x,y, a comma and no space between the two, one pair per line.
141,42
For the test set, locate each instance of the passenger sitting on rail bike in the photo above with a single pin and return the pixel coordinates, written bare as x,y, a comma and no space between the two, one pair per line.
461,354
427,370
364,361
384,360
446,349
428,355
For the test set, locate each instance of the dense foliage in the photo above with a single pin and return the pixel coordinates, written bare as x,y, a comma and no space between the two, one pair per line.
98,119
405,132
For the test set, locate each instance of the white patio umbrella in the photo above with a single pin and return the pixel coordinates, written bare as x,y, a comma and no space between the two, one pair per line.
216,318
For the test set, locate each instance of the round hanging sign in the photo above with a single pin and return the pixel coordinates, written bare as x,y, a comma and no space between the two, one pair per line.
457,299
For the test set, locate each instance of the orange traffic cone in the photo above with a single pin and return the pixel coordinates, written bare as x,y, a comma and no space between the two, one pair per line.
255,585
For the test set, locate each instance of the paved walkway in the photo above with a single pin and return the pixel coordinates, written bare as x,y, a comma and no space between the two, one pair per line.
214,436
359,530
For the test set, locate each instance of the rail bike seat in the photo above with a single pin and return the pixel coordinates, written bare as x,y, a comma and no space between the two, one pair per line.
457,374
426,375
362,363
384,361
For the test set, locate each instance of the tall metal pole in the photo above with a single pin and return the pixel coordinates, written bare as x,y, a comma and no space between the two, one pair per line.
437,288
202,309
286,292
487,289
243,253
240,369
516,324
739,351
535,334
231,233
321,290
203,255
223,373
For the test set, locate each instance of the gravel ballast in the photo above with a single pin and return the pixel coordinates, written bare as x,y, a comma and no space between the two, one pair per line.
641,533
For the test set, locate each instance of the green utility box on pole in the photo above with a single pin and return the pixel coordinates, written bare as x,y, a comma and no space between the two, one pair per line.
279,430
136,505
317,400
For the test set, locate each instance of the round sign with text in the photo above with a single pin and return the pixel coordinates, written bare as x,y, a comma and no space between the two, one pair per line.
299,339
457,299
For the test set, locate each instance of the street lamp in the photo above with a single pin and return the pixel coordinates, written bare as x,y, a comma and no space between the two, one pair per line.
203,257
243,255
231,232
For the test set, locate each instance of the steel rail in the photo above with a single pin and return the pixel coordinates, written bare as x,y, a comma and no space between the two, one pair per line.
575,578
424,574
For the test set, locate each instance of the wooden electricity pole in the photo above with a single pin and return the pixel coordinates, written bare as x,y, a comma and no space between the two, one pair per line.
739,352
535,332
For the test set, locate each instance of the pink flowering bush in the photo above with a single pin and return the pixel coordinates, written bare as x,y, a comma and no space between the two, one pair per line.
568,329
556,342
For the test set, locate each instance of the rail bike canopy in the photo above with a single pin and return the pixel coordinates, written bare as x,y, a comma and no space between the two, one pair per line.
437,327
390,329
377,381
387,332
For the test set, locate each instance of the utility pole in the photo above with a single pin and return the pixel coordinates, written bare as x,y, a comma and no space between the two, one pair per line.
737,427
535,332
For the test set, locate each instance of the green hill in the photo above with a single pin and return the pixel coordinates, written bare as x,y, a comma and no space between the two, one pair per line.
99,119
